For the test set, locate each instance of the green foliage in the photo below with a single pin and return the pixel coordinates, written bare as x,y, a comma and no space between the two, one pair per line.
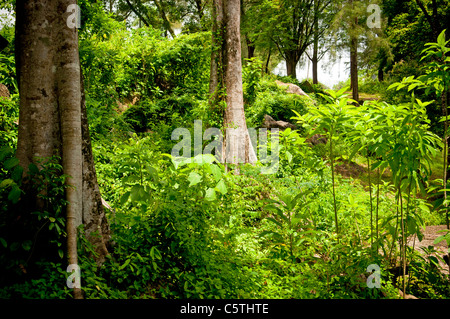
30,231
277,104
186,228
251,74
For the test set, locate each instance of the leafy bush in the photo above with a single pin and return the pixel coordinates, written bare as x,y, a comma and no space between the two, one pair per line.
278,105
30,235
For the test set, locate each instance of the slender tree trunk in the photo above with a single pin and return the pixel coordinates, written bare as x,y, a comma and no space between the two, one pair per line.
315,59
166,21
52,115
315,63
268,61
216,70
68,79
354,67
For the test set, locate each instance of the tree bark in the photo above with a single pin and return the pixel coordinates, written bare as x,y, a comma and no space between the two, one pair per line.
236,147
166,21
52,117
354,67
216,71
315,62
291,63
315,59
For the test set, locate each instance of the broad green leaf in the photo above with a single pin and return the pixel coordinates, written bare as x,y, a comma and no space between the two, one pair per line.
221,187
194,178
210,194
14,194
10,163
289,156
216,172
6,183
124,198
17,173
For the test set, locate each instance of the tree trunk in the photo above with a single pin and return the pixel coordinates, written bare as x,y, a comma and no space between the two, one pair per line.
266,68
354,67
52,118
166,21
216,71
380,74
291,63
315,59
236,147
250,49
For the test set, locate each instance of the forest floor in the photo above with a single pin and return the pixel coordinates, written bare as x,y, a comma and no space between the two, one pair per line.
430,234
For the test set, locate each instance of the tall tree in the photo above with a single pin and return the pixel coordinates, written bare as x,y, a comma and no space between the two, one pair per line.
226,81
323,16
289,24
52,118
352,33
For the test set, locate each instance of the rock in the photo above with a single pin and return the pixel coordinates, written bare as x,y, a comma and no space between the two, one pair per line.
292,88
317,139
407,296
4,92
308,86
269,122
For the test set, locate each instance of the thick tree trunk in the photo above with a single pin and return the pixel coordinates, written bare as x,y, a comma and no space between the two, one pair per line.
94,219
291,64
237,147
52,120
226,75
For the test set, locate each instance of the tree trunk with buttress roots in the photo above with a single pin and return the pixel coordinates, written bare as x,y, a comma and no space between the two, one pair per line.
52,116
237,147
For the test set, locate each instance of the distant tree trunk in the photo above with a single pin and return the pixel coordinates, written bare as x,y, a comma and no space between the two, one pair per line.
315,62
354,68
250,49
315,59
52,119
166,21
291,63
237,147
433,19
216,70
266,69
380,75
